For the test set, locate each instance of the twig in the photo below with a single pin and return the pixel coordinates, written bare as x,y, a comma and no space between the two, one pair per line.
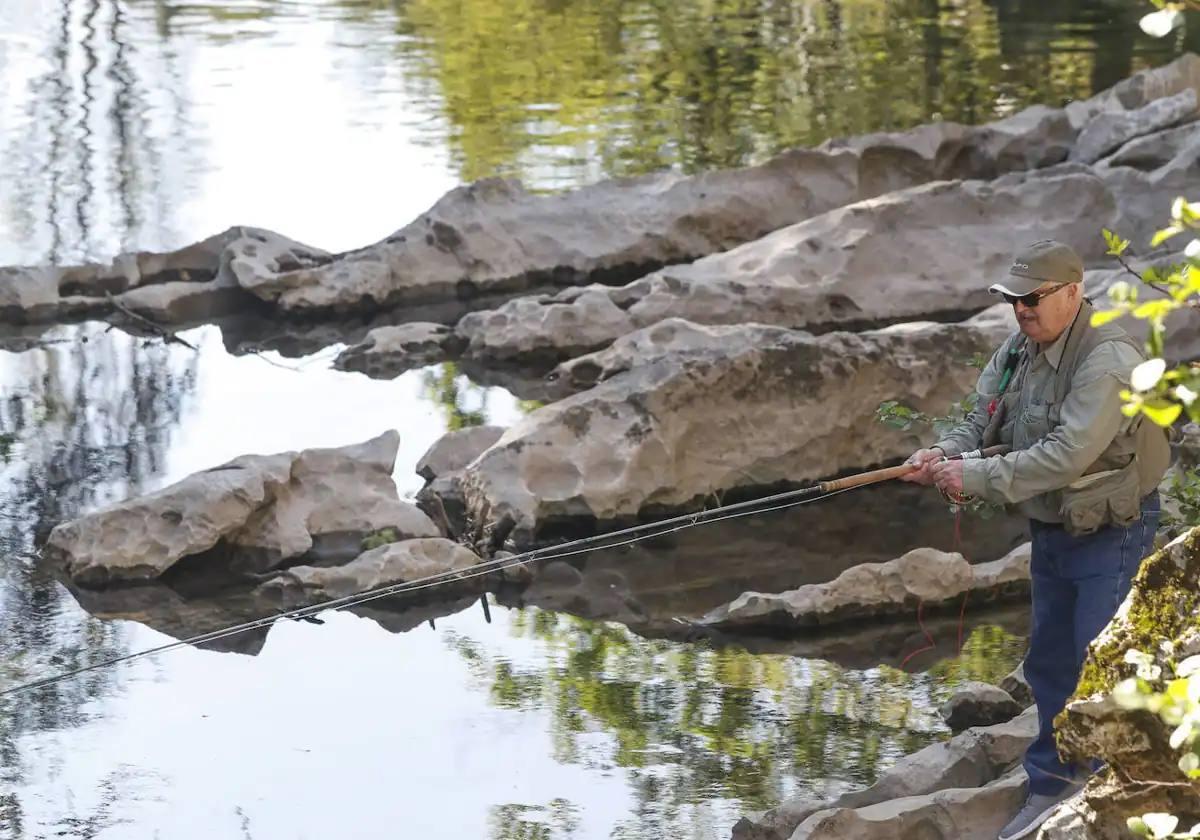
163,332
1145,783
1125,265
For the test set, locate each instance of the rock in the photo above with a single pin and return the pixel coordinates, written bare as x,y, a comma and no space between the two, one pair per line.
252,513
453,451
441,467
400,562
969,760
1139,90
390,351
195,283
1109,130
979,704
1144,197
955,814
753,406
1018,687
1141,773
1153,151
821,273
922,576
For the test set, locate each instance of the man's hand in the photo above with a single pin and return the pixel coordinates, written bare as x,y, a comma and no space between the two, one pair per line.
925,459
948,476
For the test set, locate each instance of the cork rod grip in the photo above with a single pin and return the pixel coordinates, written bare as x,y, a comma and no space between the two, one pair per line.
888,473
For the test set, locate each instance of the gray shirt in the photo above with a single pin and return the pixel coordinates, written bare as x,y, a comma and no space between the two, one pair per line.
1091,418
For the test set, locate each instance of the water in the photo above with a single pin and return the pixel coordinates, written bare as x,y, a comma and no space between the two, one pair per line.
144,124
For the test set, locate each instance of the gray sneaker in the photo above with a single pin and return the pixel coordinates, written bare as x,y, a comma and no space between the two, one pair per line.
1035,811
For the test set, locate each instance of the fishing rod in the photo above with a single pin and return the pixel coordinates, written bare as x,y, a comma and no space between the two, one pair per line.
611,539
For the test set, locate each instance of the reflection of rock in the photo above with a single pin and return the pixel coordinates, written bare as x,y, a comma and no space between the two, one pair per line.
689,573
255,512
975,758
400,562
165,610
387,352
978,704
950,814
1142,772
753,407
922,576
820,273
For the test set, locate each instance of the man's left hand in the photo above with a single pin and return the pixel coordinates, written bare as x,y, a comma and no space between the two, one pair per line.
948,476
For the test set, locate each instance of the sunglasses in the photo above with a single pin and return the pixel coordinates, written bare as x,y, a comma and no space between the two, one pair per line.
1033,298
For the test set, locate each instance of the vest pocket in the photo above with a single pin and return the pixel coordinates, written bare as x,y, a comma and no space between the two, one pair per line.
1111,497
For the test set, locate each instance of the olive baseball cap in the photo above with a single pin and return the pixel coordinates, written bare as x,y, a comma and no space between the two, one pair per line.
1046,261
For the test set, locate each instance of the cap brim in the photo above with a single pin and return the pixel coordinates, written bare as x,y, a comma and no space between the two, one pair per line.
1016,285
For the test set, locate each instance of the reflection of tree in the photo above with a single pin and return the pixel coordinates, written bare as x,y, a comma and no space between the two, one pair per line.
547,90
88,423
557,821
453,394
692,724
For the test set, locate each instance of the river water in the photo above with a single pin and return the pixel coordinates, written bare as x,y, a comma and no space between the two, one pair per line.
150,124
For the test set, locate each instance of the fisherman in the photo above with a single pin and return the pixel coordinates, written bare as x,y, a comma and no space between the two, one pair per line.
1083,473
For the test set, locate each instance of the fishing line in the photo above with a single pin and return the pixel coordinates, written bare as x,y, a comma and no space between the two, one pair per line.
498,564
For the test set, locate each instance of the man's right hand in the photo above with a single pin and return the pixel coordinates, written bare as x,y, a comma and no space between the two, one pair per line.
925,459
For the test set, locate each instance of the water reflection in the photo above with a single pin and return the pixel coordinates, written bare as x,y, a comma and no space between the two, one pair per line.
702,733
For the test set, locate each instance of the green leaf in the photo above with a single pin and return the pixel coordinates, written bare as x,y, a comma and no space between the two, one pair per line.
1102,317
1154,309
1116,245
1163,235
1162,412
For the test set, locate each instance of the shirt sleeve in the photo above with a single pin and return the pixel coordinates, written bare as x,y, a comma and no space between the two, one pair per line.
968,434
1090,419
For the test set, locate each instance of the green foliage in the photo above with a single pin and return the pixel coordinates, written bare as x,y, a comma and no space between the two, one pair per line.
384,536
1160,393
1184,490
893,413
1170,690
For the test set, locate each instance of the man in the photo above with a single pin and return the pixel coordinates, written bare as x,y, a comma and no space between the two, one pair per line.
1083,473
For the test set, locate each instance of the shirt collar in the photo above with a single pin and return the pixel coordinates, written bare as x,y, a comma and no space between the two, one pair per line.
1054,352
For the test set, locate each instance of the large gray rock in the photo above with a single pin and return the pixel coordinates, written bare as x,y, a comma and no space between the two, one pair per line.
969,760
1108,131
955,814
922,576
978,704
753,406
442,466
878,261
1017,687
253,513
1139,90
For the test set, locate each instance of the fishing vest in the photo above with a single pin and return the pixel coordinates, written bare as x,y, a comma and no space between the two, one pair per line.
1111,490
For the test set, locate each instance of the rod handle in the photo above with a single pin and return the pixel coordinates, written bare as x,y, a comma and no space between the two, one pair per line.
872,477
889,473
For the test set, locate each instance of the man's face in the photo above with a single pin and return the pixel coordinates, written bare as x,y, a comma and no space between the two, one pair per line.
1053,314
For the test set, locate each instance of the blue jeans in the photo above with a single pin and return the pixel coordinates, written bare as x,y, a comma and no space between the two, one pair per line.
1078,583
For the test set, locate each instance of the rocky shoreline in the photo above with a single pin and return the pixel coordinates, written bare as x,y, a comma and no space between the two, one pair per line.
697,339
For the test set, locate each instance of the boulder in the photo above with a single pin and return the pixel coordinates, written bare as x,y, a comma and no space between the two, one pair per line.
969,760
1139,90
253,513
923,576
751,407
453,451
821,273
1108,131
442,467
1141,773
399,562
1017,687
978,704
954,814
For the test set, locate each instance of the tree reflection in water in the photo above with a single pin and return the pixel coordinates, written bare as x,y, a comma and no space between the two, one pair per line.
692,724
87,420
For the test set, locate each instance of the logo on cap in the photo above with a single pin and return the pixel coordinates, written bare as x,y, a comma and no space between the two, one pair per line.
1021,265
